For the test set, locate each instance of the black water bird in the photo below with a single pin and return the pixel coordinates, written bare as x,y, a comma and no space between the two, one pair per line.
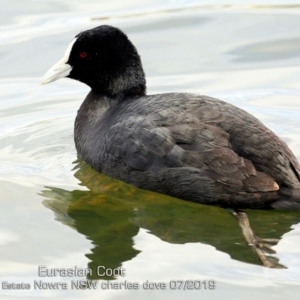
189,146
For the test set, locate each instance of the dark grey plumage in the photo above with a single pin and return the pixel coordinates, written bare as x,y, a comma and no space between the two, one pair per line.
192,147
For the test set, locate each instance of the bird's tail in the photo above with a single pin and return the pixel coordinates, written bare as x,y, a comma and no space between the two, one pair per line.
289,199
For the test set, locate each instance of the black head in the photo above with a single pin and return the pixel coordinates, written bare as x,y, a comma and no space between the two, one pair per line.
104,59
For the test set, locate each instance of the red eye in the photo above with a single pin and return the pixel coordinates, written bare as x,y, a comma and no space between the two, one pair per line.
83,54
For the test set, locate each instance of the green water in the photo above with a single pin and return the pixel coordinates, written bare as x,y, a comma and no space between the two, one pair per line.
111,213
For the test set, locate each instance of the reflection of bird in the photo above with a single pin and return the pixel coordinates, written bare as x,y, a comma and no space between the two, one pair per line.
106,225
192,147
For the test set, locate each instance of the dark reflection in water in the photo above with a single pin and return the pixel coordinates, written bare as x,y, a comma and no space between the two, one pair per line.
111,213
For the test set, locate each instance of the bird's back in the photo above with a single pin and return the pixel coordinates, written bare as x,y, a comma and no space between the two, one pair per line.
189,146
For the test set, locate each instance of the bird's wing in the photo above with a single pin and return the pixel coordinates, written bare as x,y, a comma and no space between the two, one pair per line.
145,146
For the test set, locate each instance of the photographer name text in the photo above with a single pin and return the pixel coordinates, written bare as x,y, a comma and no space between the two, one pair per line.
101,271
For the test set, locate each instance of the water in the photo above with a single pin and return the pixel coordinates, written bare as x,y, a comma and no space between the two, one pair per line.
58,212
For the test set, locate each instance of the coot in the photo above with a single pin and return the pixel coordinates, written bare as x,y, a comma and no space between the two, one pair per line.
189,146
